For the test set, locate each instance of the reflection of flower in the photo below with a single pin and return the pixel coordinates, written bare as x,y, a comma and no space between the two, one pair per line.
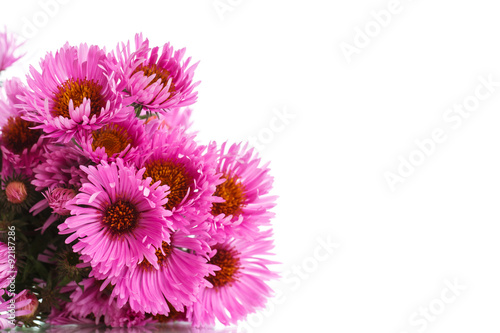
87,299
8,46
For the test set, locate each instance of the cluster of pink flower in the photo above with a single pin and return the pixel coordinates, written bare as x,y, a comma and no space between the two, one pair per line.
126,218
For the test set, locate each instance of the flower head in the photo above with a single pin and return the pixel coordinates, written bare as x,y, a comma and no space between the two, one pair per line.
117,218
60,167
121,139
76,90
174,159
156,79
245,204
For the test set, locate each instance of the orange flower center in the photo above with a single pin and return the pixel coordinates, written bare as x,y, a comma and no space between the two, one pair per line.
121,217
233,192
229,265
112,137
161,74
77,90
167,249
172,174
17,135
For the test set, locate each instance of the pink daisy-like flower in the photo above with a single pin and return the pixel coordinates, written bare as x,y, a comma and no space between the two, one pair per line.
244,191
21,145
156,80
60,168
89,301
76,90
120,139
117,218
239,287
182,269
188,169
8,46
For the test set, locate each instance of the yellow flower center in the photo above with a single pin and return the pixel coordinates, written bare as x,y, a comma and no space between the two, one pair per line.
112,137
77,90
172,174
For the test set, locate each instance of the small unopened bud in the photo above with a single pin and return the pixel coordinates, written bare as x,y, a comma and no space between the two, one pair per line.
30,309
16,192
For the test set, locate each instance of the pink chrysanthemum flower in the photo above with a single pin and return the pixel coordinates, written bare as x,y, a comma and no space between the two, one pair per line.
76,90
20,144
188,169
19,305
120,139
182,263
89,302
117,218
60,168
156,80
244,191
8,47
239,287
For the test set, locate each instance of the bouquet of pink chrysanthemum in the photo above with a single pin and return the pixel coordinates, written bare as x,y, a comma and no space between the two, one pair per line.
110,211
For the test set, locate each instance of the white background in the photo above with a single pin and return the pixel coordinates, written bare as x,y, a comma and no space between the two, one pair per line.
352,121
